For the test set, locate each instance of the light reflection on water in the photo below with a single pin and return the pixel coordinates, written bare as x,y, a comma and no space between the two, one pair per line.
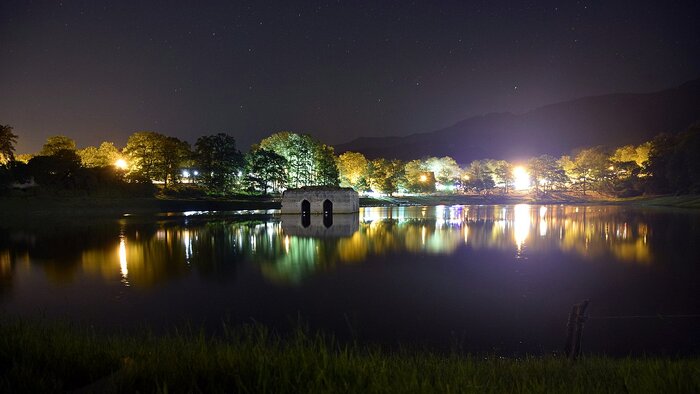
505,276
286,252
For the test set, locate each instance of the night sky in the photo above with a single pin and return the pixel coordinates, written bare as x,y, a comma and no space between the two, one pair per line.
100,70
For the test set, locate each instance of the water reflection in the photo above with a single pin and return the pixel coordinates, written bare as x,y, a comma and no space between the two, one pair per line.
148,252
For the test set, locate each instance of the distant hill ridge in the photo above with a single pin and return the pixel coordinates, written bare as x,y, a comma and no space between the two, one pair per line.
611,119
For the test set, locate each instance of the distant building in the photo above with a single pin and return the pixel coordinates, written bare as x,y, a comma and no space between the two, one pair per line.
325,200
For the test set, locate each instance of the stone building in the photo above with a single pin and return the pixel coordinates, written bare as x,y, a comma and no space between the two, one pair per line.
325,200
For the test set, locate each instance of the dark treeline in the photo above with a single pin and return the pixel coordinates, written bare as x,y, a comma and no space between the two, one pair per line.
215,166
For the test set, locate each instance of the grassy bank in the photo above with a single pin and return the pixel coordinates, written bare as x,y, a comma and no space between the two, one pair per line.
688,201
40,357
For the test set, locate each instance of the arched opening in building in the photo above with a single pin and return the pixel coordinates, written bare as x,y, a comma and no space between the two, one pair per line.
305,213
327,213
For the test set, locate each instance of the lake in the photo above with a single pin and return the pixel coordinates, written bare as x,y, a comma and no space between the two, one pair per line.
494,279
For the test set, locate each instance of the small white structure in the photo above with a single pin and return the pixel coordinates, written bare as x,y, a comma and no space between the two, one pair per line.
325,200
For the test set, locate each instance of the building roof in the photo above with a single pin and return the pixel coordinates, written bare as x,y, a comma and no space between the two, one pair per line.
320,189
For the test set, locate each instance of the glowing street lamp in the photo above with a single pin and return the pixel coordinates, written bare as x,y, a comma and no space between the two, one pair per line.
521,179
423,178
121,164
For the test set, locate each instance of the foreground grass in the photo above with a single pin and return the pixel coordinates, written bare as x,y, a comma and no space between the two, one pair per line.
43,357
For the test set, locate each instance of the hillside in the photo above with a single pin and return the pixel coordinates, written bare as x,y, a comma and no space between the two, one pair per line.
612,120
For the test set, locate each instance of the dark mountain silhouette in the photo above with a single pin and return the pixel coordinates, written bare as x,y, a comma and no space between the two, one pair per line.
611,120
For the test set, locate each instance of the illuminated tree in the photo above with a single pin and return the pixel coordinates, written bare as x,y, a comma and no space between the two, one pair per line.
218,161
24,157
588,169
418,178
503,174
308,161
446,170
7,144
103,156
480,177
385,175
352,168
326,168
546,173
57,143
266,169
156,157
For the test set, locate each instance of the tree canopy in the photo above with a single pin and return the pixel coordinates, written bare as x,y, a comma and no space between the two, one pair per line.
218,161
57,143
7,144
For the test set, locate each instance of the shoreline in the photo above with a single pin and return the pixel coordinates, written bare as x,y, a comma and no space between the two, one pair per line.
42,206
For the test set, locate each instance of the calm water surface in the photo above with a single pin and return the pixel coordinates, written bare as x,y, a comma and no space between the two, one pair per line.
484,278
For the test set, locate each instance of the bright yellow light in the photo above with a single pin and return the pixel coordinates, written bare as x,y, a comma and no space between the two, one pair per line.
121,164
521,225
521,179
423,178
123,266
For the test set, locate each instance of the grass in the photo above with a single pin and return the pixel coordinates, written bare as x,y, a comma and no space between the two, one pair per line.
49,357
685,201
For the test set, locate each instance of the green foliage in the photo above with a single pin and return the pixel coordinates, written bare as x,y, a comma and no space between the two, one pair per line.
480,176
57,143
218,161
7,144
386,175
503,175
445,169
589,169
156,157
308,161
353,170
265,170
105,155
546,173
418,177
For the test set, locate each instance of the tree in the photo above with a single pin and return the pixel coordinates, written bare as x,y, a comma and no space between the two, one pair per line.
480,178
58,170
385,175
266,169
418,178
7,144
57,143
156,157
106,155
446,169
308,161
326,169
218,161
546,172
504,175
588,169
176,155
353,170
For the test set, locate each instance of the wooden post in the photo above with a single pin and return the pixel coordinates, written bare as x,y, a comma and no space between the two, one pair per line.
574,330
